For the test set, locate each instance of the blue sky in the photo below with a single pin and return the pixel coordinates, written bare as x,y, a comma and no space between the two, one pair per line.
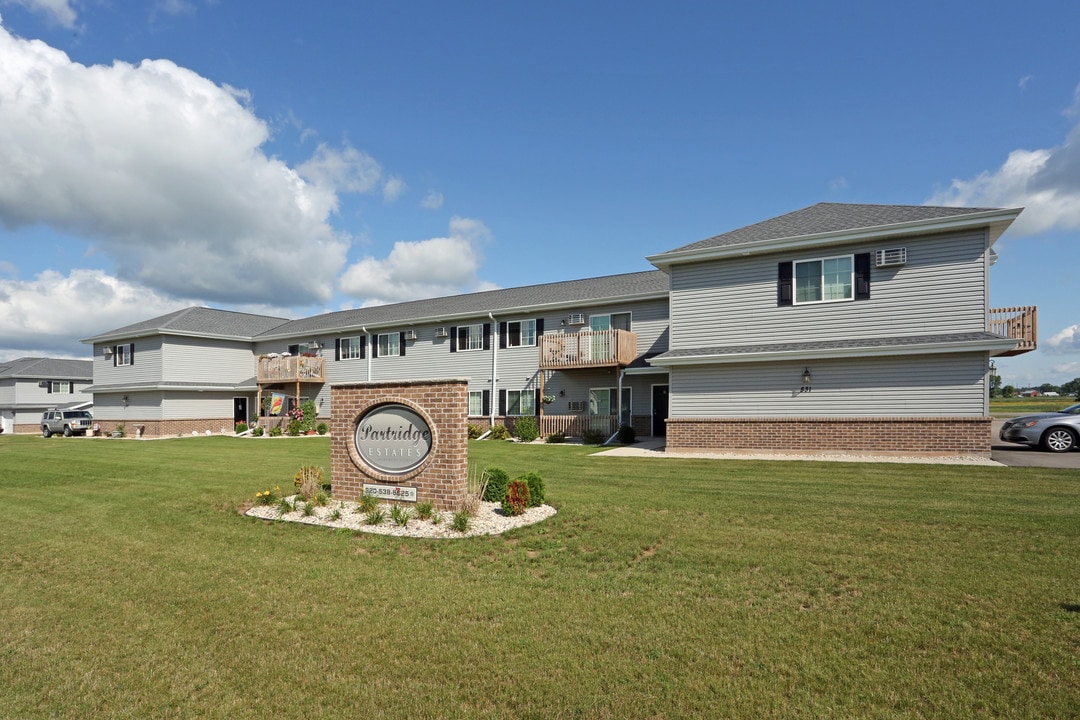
291,159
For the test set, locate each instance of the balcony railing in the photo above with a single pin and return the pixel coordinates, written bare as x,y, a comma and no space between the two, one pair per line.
1019,323
577,425
291,368
587,348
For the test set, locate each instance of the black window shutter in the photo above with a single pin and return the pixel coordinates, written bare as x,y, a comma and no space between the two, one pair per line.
131,354
502,402
374,346
487,336
71,388
363,346
48,387
862,276
502,336
114,359
539,327
337,349
401,344
485,402
453,339
784,284
536,403
294,349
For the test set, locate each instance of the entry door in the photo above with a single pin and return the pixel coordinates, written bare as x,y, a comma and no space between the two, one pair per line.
240,411
659,409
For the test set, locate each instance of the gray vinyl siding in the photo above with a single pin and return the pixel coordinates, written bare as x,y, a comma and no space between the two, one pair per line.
941,289
913,386
140,406
147,366
188,359
192,405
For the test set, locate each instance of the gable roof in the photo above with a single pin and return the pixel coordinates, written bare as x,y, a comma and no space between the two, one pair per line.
48,369
196,321
833,223
531,298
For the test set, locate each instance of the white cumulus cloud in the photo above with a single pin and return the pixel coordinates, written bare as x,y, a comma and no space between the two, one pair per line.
423,268
165,171
1045,181
393,188
48,314
432,201
58,11
1065,340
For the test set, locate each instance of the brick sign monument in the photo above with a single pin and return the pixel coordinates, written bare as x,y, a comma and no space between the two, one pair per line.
403,440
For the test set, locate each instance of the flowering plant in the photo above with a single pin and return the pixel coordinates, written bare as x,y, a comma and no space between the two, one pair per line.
267,497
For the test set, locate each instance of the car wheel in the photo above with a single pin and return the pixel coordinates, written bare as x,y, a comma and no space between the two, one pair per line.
45,431
1059,440
67,431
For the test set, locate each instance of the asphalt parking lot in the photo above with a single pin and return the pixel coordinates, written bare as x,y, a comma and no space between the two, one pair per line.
1015,455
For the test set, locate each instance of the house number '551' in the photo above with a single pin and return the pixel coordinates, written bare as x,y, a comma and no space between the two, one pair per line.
804,389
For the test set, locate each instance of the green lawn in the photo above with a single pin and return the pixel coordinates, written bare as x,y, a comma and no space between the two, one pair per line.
131,587
1011,407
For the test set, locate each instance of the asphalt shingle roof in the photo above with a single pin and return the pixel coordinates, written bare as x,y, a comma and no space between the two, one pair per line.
828,218
593,290
200,321
48,369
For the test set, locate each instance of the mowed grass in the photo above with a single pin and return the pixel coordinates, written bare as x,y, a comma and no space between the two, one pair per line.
131,587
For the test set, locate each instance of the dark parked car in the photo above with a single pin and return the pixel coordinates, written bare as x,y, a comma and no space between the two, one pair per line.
69,422
1054,431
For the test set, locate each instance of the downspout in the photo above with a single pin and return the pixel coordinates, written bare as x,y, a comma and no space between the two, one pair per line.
494,370
370,350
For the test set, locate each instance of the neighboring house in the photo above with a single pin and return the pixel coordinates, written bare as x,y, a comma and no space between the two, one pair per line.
836,326
28,386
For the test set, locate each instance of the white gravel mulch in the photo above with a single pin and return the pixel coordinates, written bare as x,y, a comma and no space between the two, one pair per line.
489,519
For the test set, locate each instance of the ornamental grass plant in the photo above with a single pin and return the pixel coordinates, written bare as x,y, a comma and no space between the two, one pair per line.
131,586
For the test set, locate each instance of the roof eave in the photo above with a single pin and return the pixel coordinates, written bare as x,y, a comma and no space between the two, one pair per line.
997,221
991,346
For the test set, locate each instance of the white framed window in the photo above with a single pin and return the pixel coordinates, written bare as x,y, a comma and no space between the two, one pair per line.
520,402
521,333
470,337
60,386
824,279
605,401
389,345
476,403
351,348
123,354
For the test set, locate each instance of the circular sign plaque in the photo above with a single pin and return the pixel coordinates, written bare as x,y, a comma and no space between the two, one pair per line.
393,439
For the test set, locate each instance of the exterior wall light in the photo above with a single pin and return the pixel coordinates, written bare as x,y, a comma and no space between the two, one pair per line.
806,376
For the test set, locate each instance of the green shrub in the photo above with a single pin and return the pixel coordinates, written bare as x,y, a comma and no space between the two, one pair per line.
499,432
556,438
593,436
497,480
424,510
241,427
400,515
256,431
285,507
294,427
311,415
322,428
374,517
309,509
527,429
536,488
475,431
275,431
460,521
367,503
627,435
517,498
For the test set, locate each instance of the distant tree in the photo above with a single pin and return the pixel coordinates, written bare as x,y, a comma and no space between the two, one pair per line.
1072,388
1008,391
995,384
1047,387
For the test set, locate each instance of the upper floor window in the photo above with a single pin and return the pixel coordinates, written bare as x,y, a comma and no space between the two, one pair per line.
351,348
123,354
614,321
822,280
470,337
521,333
60,386
389,344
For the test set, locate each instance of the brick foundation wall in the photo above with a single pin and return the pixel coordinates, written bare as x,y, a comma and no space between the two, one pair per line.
442,479
941,435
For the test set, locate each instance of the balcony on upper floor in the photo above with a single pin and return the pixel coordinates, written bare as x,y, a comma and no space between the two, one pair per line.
1020,323
587,349
291,368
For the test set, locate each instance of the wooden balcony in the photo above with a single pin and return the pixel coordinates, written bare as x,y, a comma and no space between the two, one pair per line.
577,425
587,349
291,368
1020,323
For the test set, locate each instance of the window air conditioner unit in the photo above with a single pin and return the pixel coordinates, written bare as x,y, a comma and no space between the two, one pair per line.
577,406
576,319
410,334
895,256
441,332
